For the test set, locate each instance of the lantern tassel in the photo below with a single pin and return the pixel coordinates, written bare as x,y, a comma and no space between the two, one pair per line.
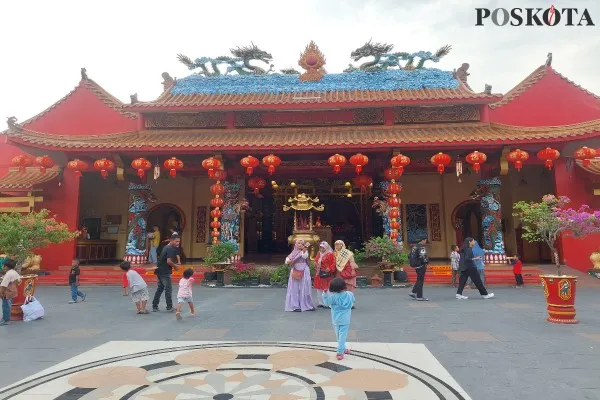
173,173
249,170
271,169
440,168
336,169
104,174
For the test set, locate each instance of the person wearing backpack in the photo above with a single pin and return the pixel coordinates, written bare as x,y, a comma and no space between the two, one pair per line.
419,261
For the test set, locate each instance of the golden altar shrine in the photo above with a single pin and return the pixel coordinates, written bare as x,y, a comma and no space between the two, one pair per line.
303,207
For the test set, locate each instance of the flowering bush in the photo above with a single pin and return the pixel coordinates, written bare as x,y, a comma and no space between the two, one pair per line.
21,234
546,220
220,252
241,271
389,252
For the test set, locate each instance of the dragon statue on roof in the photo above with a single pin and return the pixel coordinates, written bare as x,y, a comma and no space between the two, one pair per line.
383,59
239,62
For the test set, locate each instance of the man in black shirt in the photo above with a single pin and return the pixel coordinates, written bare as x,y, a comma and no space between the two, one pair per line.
164,269
419,261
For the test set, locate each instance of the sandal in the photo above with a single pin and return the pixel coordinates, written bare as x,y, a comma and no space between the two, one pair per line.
347,351
339,356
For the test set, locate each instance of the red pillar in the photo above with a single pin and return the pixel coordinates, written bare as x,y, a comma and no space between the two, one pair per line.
571,183
62,201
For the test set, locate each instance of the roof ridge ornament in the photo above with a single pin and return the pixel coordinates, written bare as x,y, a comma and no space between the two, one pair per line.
461,73
240,62
168,82
134,98
383,59
549,60
312,61
487,89
84,74
12,123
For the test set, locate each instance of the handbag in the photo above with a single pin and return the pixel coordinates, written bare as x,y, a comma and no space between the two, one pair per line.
296,274
324,274
32,309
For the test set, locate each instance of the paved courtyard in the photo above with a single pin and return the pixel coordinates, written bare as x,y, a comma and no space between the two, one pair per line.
242,345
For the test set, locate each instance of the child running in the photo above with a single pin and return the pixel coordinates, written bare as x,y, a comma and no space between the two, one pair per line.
454,263
74,283
138,288
341,301
184,295
517,270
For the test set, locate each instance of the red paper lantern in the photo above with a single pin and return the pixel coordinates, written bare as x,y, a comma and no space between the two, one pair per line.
395,225
394,213
359,161
219,175
394,201
142,165
217,189
441,160
363,181
217,202
215,234
22,161
271,161
215,224
44,163
77,166
548,156
400,161
211,164
391,174
173,165
476,158
337,161
585,155
216,213
103,165
256,184
393,235
249,163
394,188
517,157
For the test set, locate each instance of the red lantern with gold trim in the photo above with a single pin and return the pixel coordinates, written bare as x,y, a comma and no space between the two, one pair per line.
215,234
395,225
219,175
217,189
216,213
77,166
394,213
394,201
216,202
548,156
173,165
103,165
394,188
585,155
441,160
518,157
400,161
211,164
337,161
249,163
476,158
44,162
392,174
359,161
363,181
393,235
215,224
271,161
256,184
141,165
21,161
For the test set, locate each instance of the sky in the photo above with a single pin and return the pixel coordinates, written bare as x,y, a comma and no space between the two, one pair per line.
125,45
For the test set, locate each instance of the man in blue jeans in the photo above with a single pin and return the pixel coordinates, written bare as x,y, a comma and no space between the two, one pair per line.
8,289
164,269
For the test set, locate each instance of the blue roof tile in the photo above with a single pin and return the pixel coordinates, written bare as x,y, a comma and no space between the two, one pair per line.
280,83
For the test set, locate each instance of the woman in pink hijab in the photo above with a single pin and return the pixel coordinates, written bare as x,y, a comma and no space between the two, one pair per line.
299,290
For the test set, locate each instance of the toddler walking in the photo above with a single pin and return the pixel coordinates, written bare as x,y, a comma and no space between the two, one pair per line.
184,295
138,288
74,283
517,270
341,301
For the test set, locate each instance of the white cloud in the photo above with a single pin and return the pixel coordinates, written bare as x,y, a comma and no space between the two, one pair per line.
126,45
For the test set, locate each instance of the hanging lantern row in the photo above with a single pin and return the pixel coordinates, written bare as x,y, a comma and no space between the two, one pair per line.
21,161
77,166
217,189
399,162
585,155
394,202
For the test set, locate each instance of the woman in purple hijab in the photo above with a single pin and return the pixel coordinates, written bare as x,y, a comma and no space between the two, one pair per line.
299,290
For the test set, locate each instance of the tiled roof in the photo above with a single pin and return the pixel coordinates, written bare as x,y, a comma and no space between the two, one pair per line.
311,138
531,80
353,87
25,180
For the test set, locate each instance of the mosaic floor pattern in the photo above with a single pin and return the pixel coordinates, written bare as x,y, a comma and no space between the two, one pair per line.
243,370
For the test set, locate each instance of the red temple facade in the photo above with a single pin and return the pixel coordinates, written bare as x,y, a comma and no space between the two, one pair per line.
154,157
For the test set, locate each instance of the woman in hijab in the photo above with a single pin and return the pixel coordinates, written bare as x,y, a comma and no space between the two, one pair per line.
468,269
325,271
299,290
345,265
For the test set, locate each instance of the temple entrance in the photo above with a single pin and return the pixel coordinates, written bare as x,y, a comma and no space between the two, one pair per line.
466,219
166,217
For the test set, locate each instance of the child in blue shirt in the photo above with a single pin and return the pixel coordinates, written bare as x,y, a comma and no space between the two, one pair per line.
341,302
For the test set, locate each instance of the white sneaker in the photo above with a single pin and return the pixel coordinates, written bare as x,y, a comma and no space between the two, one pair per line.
461,297
489,296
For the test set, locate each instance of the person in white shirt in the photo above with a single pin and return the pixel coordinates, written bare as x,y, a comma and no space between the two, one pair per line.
8,289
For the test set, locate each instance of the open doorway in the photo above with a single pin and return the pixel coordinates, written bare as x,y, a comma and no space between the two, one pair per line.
466,219
167,217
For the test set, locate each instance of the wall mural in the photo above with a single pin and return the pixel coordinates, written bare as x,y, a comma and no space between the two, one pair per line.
382,208
140,195
493,241
416,222
230,221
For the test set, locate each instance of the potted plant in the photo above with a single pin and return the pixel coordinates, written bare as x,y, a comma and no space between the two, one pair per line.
390,254
217,257
21,234
544,222
280,276
244,274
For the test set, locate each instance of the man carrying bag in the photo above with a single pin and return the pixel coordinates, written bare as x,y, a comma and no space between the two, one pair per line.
419,261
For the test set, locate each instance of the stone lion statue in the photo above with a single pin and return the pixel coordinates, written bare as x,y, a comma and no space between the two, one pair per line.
32,263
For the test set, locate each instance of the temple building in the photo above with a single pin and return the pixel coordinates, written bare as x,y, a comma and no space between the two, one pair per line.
219,153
